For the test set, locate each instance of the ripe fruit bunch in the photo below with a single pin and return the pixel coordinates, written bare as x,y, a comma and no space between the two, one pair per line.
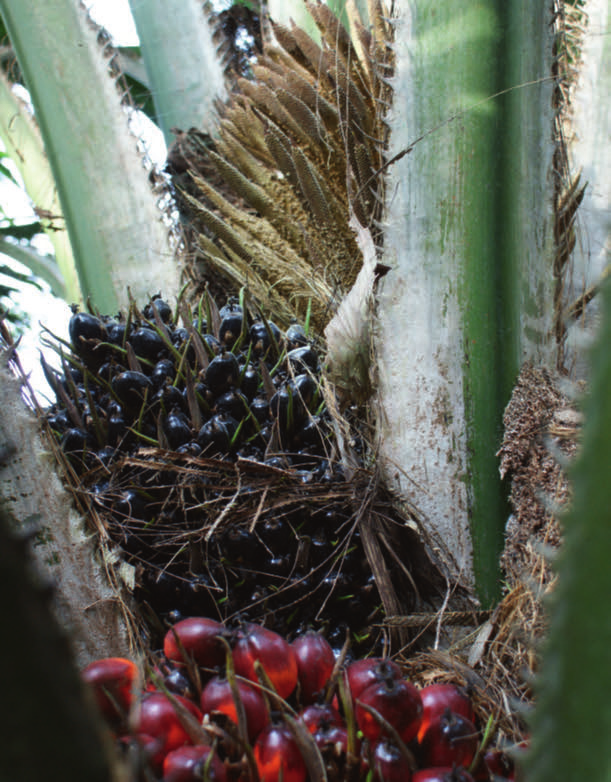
242,703
209,454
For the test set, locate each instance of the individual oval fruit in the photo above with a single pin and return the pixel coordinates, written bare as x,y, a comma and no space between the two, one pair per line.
278,659
449,740
222,373
499,763
303,359
193,764
147,344
320,716
295,336
159,306
217,434
315,663
217,697
86,332
197,637
278,757
436,698
443,774
132,388
177,430
113,680
230,328
370,670
263,335
158,718
233,403
396,701
389,764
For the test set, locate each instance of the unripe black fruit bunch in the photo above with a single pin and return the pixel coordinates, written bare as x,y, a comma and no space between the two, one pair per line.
243,703
208,451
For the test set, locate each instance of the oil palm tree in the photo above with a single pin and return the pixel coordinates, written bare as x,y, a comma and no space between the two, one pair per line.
477,230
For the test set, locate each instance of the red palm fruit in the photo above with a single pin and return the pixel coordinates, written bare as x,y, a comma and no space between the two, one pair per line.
335,736
362,673
113,680
187,764
274,653
396,701
500,764
443,774
436,698
315,663
278,757
200,639
389,764
158,718
449,740
318,716
217,697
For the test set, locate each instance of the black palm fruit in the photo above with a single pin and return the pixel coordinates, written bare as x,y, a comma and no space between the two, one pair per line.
164,370
161,307
86,333
132,388
217,434
177,430
160,449
59,421
295,336
147,344
116,331
250,381
76,441
171,397
302,359
259,407
290,404
212,345
232,320
232,402
222,373
263,335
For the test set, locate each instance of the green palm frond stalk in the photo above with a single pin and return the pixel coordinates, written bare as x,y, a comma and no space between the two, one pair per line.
469,242
116,229
185,75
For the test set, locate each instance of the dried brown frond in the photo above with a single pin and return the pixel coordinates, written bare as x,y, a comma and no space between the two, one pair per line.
296,144
569,22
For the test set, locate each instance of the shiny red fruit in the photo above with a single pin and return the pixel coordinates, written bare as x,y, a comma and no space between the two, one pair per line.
362,673
449,740
113,680
189,764
315,663
396,701
443,774
436,698
319,716
217,697
276,656
389,764
158,718
278,757
335,736
499,764
200,640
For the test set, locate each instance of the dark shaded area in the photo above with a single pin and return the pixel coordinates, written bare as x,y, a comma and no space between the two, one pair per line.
48,730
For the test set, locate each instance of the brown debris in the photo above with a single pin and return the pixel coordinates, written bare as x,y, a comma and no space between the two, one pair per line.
541,427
